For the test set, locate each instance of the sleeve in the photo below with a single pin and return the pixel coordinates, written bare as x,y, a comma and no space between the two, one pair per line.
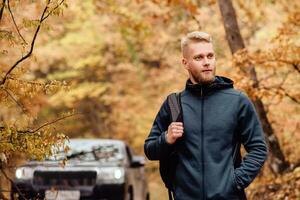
156,146
252,137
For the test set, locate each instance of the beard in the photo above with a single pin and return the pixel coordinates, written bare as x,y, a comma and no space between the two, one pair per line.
203,77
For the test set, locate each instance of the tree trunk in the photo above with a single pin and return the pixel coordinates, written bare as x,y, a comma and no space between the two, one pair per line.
277,161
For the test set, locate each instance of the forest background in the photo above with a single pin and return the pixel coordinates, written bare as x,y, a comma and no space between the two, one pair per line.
102,69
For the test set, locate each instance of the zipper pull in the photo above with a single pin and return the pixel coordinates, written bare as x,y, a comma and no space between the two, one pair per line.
201,91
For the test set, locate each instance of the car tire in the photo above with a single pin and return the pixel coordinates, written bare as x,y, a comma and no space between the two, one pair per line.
148,196
129,195
13,195
16,196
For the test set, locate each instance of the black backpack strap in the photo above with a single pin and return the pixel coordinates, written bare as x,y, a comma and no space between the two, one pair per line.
174,102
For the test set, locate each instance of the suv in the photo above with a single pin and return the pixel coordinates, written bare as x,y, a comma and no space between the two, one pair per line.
95,169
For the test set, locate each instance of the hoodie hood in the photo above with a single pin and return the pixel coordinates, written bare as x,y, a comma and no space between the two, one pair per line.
219,83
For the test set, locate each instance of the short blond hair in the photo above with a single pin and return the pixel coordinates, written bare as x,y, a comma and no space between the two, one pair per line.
195,36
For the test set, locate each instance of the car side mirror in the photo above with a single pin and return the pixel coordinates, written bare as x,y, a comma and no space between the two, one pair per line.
137,161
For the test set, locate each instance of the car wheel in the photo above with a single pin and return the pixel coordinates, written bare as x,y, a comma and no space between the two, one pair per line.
129,195
13,195
16,196
148,196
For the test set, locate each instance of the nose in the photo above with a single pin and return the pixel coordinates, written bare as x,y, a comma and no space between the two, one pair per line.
205,61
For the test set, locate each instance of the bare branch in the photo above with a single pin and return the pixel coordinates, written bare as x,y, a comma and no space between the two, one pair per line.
290,96
42,126
16,101
294,63
295,165
271,75
197,21
278,88
274,102
46,16
13,18
31,82
48,123
42,18
2,9
31,48
54,121
11,181
285,77
296,67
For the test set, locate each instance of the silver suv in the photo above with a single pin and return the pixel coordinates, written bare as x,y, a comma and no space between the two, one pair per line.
96,169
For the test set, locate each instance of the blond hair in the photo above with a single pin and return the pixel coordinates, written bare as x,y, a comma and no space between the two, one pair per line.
195,36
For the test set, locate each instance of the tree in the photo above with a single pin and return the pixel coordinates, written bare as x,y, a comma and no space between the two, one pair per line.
277,160
21,99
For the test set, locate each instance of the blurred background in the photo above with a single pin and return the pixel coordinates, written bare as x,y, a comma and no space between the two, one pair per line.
102,69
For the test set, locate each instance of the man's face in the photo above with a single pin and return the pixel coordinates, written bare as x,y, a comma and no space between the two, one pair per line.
199,59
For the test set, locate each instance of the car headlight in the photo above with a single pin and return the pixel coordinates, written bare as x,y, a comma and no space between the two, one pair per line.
24,173
111,175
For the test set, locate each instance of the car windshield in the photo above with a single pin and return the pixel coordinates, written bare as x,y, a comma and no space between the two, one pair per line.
91,151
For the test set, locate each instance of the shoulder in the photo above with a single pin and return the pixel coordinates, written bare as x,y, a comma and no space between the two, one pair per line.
240,97
231,91
235,92
245,102
244,98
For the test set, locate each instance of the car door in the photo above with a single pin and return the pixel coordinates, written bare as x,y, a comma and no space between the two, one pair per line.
137,177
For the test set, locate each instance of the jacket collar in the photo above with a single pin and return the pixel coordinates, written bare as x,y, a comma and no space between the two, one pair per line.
219,83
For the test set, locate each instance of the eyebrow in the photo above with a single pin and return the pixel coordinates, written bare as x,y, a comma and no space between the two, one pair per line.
209,53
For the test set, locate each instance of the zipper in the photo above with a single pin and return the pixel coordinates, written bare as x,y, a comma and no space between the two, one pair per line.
202,149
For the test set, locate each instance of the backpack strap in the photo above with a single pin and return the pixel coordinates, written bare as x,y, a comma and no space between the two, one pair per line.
174,102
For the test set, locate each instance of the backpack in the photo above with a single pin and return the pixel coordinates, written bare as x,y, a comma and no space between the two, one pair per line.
167,165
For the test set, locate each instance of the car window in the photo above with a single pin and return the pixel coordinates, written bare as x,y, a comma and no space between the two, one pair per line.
103,152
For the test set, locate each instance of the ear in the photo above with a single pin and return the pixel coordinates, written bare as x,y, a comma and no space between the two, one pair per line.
185,64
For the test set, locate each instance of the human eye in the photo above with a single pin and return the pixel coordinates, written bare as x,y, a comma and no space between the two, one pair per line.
210,55
199,57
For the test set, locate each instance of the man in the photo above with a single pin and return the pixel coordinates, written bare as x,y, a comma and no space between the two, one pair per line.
217,119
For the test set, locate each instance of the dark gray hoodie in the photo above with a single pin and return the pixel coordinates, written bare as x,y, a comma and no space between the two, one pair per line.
217,118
